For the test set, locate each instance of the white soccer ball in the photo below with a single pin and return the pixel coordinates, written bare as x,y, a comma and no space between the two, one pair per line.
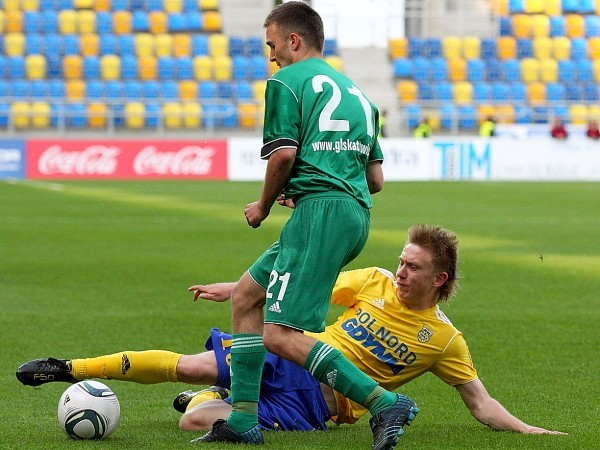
88,410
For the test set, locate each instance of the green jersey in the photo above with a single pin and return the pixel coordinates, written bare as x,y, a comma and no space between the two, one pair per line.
317,110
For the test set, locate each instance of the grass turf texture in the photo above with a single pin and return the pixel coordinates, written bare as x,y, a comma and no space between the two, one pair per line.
96,267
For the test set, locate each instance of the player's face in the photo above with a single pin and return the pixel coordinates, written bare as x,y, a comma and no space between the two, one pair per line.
416,277
279,44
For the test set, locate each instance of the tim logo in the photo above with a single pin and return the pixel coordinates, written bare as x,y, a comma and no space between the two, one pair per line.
425,334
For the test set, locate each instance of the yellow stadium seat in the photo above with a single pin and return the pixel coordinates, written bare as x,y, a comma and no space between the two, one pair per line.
530,70
20,112
35,66
97,112
72,66
247,113
188,89
102,5
14,21
67,21
144,44
335,62
203,67
14,44
542,47
135,113
451,47
218,44
548,70
536,92
158,22
552,7
463,92
208,4
594,47
110,67
258,90
11,5
173,6
2,22
212,21
222,68
540,25
534,6
75,89
594,112
89,44
147,68
86,21
457,69
471,47
30,5
521,25
407,90
561,47
191,112
596,67
505,113
83,4
40,114
182,45
121,22
398,48
172,113
507,47
500,7
578,114
574,26
163,44
485,111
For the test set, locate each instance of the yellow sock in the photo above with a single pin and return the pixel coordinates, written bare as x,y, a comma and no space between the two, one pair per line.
201,398
147,367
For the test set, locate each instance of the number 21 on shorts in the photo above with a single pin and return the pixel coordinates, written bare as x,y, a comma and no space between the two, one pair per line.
282,281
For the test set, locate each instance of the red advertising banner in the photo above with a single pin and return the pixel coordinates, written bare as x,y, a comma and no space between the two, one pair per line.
126,159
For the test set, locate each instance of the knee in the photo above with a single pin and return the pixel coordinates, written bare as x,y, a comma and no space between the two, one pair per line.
247,295
193,422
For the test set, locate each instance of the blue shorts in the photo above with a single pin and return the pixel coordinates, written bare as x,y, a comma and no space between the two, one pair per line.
290,398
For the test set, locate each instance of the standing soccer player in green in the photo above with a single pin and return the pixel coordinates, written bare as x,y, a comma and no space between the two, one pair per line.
320,140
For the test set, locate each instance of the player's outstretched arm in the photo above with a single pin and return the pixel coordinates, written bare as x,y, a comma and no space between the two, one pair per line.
217,292
490,412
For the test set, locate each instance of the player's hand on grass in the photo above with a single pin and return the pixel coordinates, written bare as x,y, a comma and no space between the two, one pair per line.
538,430
255,214
217,292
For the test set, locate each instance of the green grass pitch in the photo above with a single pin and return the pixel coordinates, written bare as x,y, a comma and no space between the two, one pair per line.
88,268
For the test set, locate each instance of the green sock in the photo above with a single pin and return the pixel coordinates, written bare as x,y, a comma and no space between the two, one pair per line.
248,355
332,368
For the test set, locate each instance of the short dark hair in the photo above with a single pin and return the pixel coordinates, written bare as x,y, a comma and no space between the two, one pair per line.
443,245
298,17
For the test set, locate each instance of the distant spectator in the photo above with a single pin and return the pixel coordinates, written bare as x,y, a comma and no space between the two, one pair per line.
382,122
487,128
423,130
558,130
593,132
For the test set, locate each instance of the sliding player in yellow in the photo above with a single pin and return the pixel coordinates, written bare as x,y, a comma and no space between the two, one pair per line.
392,329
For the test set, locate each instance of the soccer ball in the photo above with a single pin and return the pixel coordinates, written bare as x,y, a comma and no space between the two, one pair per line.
88,410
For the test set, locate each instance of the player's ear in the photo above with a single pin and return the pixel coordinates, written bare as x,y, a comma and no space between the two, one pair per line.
295,41
440,279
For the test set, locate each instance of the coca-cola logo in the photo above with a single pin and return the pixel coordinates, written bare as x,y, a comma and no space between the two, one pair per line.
188,160
93,160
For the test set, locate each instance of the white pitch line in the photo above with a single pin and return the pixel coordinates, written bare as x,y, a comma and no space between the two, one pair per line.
35,184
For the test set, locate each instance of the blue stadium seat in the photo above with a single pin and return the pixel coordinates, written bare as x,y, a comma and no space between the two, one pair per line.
109,44
53,44
240,67
184,68
570,6
511,70
413,115
64,4
243,91
439,69
587,6
194,21
467,117
117,110
573,92
210,115
330,47
2,52
579,49
415,47
208,90
113,89
561,112
518,92
39,89
177,22
15,67
71,44
226,90
137,5
482,92
499,92
199,45
91,67
151,89
557,26
49,21
255,46
132,89
566,71
443,91
3,68
140,22
119,5
476,70
53,67
555,92
584,71
76,115
154,5
524,48
104,23
402,67
228,115
152,115
126,44
447,116
236,46
522,114
505,26
44,5
32,22
20,89
190,5
95,89
166,68
516,6
258,68
488,49
494,70
129,67
426,91
590,92
35,44
433,48
170,90
421,69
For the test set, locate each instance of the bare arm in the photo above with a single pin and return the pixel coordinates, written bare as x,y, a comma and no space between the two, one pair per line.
278,172
490,412
374,177
217,292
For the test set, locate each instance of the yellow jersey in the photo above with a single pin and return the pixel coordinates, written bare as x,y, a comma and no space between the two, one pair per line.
390,342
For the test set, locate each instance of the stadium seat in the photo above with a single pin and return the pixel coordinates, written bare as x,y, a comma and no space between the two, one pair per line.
71,44
557,26
140,22
147,68
56,89
258,90
584,71
579,49
507,47
471,47
517,92
126,44
476,70
530,70
109,44
15,67
182,45
144,44
578,114
448,116
190,5
240,67
439,69
505,113
192,113
467,117
208,90
457,69
574,26
158,22
169,90
86,21
14,44
203,67
40,114
212,21
573,92
548,70
113,89
552,7
172,113
32,22
566,71
199,45
407,90
222,68
110,67
218,45
451,47
536,92
555,92
135,115
561,48
129,67
94,89
432,48
97,114
163,44
542,47
425,90
91,67
505,26
184,69
89,44
20,112
195,22
524,48
72,67
494,70
165,68
590,92
150,89
75,89
481,92
75,115
132,89
443,91
592,26
484,111
420,69
208,4
415,47
188,89
499,92
255,46
13,21
540,26
247,113
521,26
398,48
67,21
20,89
594,48
39,89
177,22
488,49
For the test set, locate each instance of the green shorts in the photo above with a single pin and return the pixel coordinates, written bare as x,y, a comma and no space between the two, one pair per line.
324,233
